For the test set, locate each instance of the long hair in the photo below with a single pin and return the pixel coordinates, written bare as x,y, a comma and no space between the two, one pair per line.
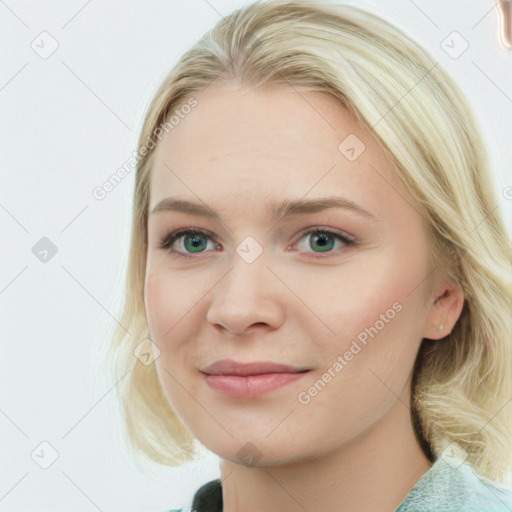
462,384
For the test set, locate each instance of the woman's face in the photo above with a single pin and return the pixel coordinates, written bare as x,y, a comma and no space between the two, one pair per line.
348,303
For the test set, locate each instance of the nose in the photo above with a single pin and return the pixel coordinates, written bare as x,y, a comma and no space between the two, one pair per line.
248,297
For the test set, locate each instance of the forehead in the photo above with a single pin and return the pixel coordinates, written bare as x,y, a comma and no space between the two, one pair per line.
242,147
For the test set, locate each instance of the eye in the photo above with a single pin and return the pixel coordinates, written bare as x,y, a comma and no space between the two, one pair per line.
324,240
193,240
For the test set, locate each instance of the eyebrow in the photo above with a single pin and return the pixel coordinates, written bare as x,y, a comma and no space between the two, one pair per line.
276,210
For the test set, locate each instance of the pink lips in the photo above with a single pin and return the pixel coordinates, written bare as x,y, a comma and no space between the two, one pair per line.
250,379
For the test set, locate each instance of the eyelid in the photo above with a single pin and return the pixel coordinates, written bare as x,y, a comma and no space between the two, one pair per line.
176,233
318,227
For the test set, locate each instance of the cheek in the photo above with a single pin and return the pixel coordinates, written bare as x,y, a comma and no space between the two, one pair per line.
154,300
169,314
164,303
175,313
348,299
377,322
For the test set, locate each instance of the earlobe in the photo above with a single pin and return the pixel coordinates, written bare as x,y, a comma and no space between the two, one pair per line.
445,310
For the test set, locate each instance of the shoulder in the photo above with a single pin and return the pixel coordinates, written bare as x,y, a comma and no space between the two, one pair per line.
455,486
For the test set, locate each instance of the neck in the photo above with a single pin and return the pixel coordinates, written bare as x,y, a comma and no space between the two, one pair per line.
374,472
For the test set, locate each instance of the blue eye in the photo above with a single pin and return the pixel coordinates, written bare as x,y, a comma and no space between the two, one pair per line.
195,241
324,240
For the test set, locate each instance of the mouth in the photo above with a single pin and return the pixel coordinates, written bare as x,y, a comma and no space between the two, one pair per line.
244,380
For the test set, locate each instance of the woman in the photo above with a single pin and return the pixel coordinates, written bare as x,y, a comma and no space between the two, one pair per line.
319,270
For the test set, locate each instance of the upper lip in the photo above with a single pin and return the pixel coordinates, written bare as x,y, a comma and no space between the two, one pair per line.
230,367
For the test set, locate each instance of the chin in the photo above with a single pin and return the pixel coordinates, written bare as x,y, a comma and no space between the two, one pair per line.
257,453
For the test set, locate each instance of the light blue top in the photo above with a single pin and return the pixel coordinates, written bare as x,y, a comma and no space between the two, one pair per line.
450,485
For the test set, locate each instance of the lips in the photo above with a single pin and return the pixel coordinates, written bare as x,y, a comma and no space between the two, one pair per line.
230,367
245,380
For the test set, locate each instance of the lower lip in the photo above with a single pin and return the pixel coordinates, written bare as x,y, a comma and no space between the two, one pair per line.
251,385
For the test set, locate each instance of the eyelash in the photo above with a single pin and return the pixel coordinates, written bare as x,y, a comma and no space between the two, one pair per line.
168,240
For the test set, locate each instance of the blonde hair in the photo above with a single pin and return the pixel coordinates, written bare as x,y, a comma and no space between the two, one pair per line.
462,384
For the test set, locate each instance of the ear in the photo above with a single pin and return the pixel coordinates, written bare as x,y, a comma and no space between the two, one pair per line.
446,303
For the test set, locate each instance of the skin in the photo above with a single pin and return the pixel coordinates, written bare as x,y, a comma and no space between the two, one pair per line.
352,447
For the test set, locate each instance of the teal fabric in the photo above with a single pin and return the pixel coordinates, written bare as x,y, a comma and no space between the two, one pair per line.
452,486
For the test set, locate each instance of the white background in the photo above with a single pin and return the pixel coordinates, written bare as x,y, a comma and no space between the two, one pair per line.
67,123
